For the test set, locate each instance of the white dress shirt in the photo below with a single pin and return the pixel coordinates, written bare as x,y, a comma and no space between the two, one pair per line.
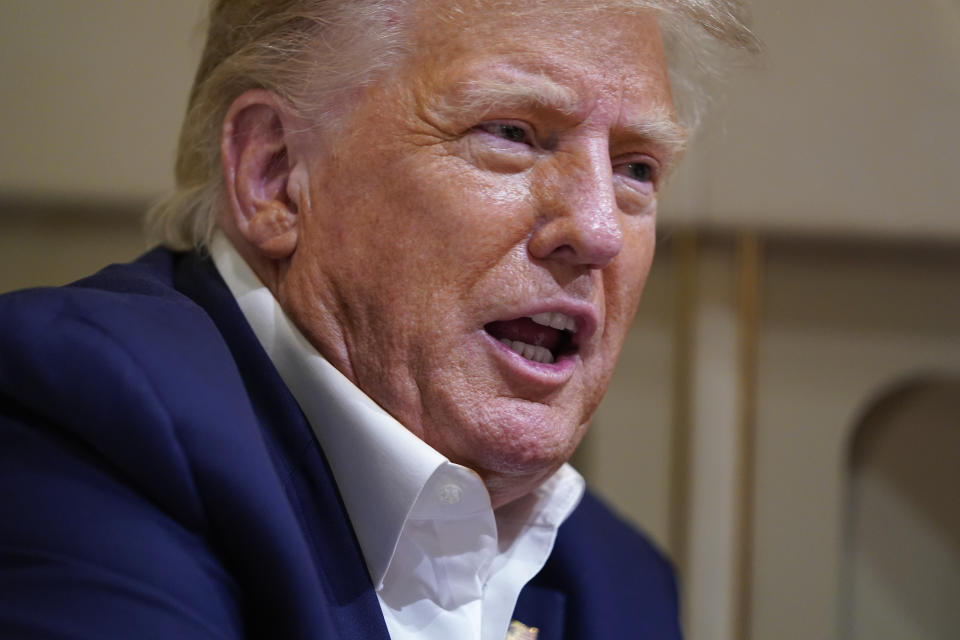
443,563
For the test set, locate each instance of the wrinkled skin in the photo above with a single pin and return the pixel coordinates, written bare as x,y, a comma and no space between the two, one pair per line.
434,209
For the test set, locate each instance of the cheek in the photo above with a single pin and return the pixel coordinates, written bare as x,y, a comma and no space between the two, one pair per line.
469,218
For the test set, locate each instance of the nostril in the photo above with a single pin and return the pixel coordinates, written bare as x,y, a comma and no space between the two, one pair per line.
563,252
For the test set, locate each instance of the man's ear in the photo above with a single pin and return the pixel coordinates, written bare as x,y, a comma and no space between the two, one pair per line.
265,191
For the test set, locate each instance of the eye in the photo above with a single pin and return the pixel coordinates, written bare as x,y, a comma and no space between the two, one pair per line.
639,171
503,146
512,132
637,177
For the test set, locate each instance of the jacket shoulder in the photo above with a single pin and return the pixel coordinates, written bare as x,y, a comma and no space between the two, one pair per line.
617,582
594,520
112,441
117,361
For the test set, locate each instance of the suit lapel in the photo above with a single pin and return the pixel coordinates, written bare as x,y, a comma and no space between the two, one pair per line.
542,608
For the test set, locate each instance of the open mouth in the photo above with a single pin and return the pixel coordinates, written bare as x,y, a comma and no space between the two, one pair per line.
542,337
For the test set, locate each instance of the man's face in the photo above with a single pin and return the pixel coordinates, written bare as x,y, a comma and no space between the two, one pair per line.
481,229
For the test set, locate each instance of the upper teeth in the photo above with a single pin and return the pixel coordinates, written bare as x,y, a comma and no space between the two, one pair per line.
556,320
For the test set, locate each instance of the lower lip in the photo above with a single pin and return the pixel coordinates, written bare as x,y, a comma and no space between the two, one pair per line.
553,374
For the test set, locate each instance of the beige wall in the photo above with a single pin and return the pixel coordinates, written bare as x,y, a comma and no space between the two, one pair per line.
93,95
43,244
849,127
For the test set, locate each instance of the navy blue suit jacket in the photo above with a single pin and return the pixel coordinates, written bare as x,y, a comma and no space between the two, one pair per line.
158,480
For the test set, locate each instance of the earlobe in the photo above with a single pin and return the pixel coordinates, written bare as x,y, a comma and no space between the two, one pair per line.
272,229
260,183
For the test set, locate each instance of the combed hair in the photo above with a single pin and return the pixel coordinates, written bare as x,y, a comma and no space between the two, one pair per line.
313,52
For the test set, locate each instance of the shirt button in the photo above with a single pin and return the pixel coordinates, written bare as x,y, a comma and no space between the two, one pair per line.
450,494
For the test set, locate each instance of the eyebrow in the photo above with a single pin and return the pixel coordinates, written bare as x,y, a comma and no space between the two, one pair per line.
661,129
539,90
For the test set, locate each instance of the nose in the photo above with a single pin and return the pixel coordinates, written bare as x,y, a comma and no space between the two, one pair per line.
579,220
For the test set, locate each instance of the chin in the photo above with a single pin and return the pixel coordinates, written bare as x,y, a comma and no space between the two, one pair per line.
521,439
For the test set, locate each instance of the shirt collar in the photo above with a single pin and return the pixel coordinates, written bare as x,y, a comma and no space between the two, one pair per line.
380,467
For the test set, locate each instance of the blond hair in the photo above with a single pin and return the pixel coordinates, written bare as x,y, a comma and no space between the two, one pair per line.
313,52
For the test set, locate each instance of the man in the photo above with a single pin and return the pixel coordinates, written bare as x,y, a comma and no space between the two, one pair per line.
425,227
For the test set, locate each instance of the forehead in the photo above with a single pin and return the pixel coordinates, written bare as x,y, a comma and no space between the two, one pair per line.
569,56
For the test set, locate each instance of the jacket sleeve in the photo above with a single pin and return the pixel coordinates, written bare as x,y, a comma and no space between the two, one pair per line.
102,534
85,555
